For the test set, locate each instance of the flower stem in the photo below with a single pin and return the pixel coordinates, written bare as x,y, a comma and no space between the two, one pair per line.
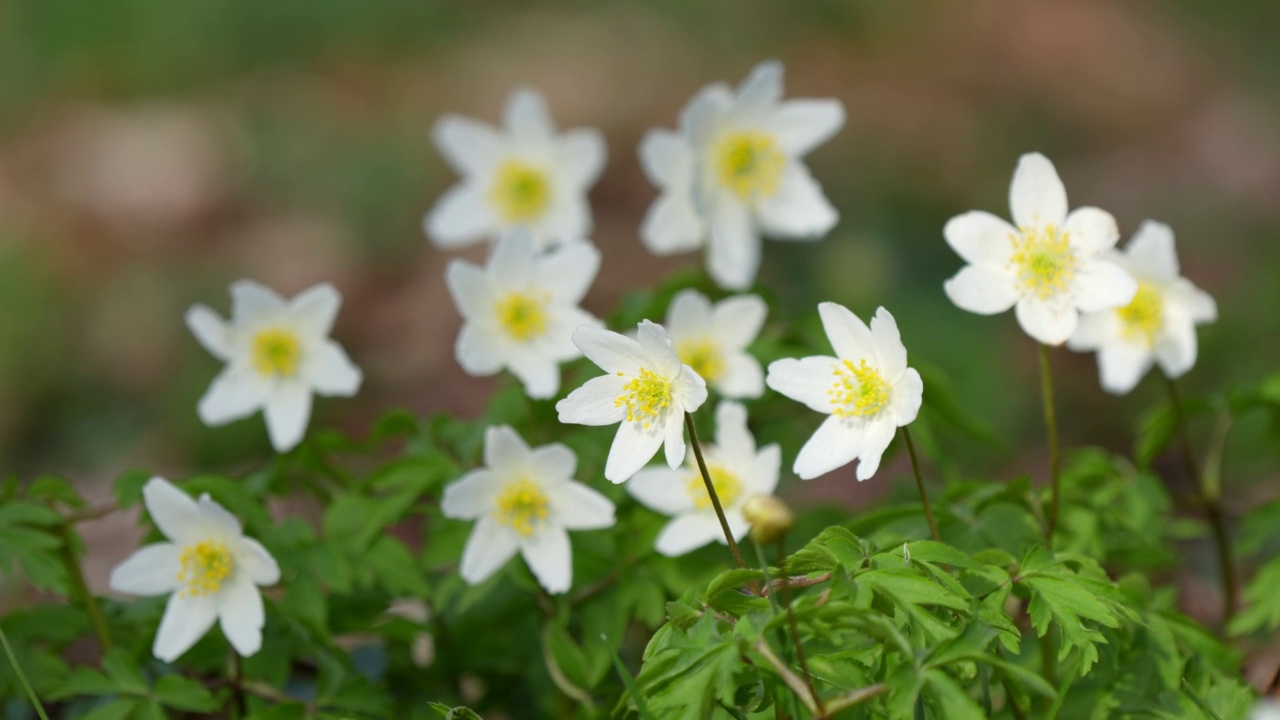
80,587
711,491
1051,426
782,634
239,707
22,677
795,630
924,496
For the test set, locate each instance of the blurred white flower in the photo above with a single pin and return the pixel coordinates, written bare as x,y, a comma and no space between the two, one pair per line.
867,390
738,472
525,176
524,500
647,391
733,171
277,353
1267,709
209,569
1052,266
1158,325
519,312
713,340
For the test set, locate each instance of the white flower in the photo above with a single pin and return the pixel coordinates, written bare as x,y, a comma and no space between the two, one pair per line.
1052,265
277,354
733,172
520,311
737,471
527,176
867,389
1267,709
524,500
1158,325
209,569
713,340
647,390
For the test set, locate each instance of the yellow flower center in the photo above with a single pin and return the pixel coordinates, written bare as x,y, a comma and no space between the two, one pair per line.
727,486
1043,260
646,397
858,390
276,351
522,505
523,315
1143,316
703,356
749,163
520,191
203,567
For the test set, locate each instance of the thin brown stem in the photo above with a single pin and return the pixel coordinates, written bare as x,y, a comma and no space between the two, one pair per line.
711,490
91,513
1051,426
80,587
924,496
792,680
795,629
239,705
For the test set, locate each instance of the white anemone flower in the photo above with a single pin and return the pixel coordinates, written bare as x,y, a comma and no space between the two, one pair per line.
524,176
867,390
733,171
1267,709
713,340
524,500
738,472
519,312
209,569
277,353
1052,266
1158,326
647,391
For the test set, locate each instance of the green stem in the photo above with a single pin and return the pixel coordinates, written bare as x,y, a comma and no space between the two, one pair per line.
782,634
795,629
239,703
1048,658
80,587
22,677
924,496
1051,426
711,490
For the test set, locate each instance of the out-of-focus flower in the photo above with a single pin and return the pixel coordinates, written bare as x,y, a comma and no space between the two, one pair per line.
277,353
209,569
524,500
867,390
1266,710
733,172
737,471
1158,325
647,391
713,340
524,176
769,516
1052,266
521,309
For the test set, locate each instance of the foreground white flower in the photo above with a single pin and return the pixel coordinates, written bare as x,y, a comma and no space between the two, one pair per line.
526,176
524,500
867,390
519,312
737,471
733,172
209,569
647,390
277,353
1051,266
1158,325
713,340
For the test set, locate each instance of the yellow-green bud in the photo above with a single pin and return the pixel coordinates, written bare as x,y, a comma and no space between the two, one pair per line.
770,518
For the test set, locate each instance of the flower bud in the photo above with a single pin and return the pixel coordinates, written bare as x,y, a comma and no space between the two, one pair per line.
770,518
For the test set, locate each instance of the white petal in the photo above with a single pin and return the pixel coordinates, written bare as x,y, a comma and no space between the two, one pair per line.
667,159
1036,195
1048,322
568,271
633,447
849,336
1198,303
469,286
504,448
689,390
982,289
1121,366
656,346
661,489
152,570
760,92
329,371
673,440
252,302
1091,232
527,117
742,378
875,440
175,512
733,253
211,331
539,374
802,125
1151,252
241,615
672,224
287,412
835,443
488,548
568,218
469,146
737,320
1095,330
462,216
581,508
235,393
612,352
797,209
686,533
1176,348
805,380
553,462
688,316
511,263
470,496
580,155
766,469
478,351
908,394
217,516
1103,285
981,238
733,438
557,343
186,620
256,563
594,403
313,310
550,558
888,342
702,116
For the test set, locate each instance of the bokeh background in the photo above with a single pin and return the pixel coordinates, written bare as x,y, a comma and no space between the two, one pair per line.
152,152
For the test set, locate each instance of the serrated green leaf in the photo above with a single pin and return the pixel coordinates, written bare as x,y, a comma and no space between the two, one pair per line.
184,694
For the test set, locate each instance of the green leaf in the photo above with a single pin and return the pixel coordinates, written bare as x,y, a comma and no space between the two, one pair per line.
395,568
947,695
569,659
117,709
84,681
127,489
184,694
835,547
123,671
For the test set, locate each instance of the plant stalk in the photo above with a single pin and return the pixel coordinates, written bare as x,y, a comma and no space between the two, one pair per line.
795,629
782,634
238,702
80,587
924,496
22,677
711,491
1055,457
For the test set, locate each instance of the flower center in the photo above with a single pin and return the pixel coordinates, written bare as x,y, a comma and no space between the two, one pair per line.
203,567
703,356
1043,260
520,191
858,390
522,505
1143,317
646,397
749,163
276,351
727,486
523,315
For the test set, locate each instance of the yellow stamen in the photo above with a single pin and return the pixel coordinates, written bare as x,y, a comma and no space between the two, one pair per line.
749,163
520,191
704,357
1143,317
646,397
522,505
1043,261
204,566
727,486
276,351
858,390
523,315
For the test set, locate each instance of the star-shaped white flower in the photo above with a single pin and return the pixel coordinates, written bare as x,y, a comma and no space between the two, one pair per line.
525,176
867,390
738,472
647,391
1158,325
1052,266
519,312
209,569
277,353
733,171
524,500
713,340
